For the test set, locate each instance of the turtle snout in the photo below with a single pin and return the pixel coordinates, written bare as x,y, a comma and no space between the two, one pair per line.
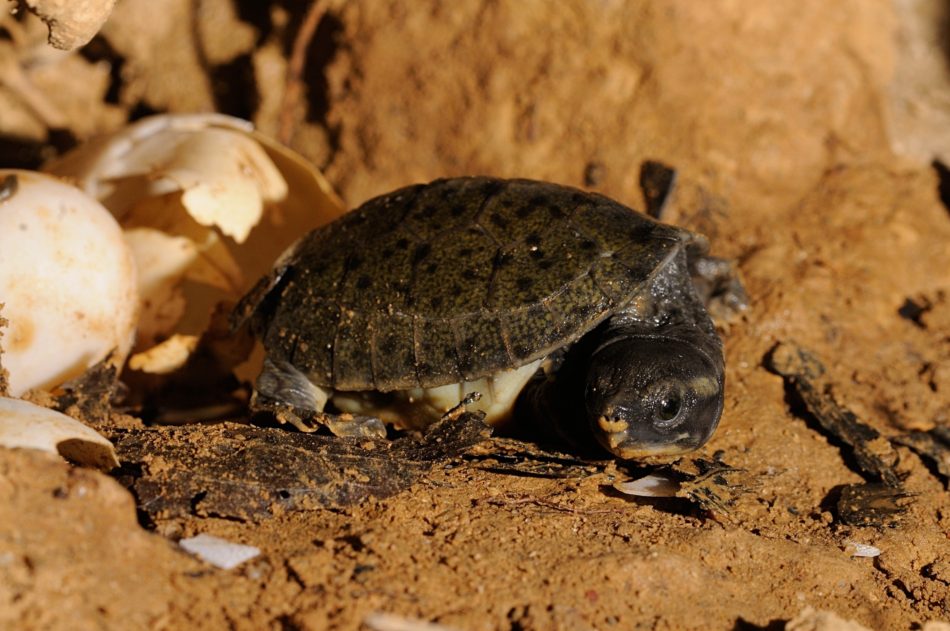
613,430
611,423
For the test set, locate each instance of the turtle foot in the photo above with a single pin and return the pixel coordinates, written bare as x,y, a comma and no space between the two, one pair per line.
308,421
718,285
349,426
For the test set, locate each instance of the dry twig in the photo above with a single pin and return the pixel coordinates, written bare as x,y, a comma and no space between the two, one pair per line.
293,88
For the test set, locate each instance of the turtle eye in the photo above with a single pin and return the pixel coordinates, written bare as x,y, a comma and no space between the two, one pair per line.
669,407
667,404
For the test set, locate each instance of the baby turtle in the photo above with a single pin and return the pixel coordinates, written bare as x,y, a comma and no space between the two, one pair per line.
420,297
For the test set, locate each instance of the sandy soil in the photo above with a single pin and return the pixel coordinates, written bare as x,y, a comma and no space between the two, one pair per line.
780,120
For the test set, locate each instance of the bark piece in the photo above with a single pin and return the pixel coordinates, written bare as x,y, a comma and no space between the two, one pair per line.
873,454
246,472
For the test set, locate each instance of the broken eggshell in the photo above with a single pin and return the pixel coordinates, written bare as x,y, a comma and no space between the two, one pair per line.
67,281
866,550
72,23
652,485
218,552
208,205
28,426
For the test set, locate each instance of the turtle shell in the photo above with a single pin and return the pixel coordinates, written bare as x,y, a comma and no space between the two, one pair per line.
453,281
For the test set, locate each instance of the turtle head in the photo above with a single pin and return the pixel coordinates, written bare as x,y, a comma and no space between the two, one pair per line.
650,395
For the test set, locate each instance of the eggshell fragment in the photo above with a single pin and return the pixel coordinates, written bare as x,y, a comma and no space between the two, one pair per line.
208,205
652,485
67,280
165,357
866,550
101,165
219,552
162,261
221,176
382,621
29,426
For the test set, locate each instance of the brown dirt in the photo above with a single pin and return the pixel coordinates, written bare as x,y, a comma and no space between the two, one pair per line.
3,373
778,117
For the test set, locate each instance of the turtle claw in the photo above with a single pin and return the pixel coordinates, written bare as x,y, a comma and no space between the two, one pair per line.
309,421
349,426
285,414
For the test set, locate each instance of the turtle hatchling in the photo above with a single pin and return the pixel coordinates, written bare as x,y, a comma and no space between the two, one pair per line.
549,301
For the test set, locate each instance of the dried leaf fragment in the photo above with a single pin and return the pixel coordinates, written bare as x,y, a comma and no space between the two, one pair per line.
245,472
29,426
933,446
872,504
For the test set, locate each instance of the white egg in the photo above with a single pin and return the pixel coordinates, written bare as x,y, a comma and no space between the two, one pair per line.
67,282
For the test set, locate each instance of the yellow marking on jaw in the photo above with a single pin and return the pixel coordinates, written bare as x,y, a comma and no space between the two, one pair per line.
610,427
614,439
704,386
650,450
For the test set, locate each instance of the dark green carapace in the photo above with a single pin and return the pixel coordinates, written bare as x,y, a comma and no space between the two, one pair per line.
462,279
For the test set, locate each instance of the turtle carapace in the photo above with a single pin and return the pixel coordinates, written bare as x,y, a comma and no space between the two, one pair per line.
585,307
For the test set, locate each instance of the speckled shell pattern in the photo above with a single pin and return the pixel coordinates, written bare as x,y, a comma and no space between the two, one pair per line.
453,281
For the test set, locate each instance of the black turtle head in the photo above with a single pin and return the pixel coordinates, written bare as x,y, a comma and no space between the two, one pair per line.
650,395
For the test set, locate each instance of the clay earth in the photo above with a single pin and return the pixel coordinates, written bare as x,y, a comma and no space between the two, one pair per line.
803,134
483,285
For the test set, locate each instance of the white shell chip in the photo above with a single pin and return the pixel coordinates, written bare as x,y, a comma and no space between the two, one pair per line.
381,621
25,425
217,551
856,549
652,485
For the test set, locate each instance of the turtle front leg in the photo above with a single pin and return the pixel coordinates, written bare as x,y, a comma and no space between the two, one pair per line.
350,426
717,283
292,398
